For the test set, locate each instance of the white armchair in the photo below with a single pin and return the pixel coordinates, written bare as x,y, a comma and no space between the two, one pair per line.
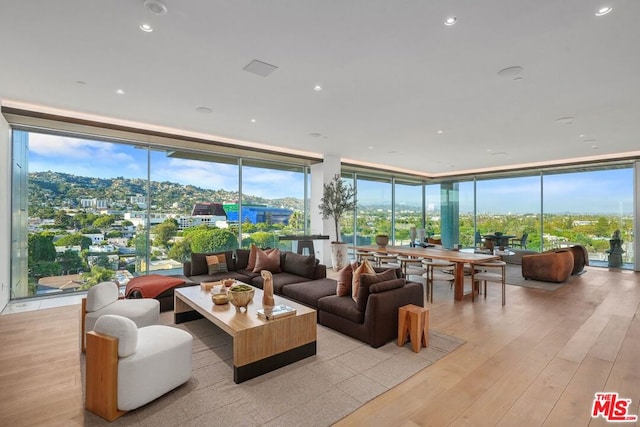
127,367
104,298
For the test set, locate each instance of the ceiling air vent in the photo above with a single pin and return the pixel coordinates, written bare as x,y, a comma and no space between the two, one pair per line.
260,68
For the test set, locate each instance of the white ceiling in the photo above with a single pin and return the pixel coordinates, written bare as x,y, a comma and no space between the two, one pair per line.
392,74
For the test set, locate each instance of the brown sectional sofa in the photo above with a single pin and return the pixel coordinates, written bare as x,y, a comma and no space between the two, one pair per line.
373,318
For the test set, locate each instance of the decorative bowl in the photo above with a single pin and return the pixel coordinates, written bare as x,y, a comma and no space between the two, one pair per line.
240,295
219,298
228,282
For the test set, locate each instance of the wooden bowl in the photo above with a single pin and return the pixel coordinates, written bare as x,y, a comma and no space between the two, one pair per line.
228,282
219,298
240,295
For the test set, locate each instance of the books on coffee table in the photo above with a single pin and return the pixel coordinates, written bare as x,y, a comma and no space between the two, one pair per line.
276,312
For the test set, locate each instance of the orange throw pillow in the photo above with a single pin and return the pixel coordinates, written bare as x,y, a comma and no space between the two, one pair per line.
216,263
267,260
365,268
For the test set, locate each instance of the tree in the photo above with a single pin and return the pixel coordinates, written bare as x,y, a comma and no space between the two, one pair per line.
165,231
41,248
75,239
338,199
212,240
97,275
45,269
70,261
180,251
103,222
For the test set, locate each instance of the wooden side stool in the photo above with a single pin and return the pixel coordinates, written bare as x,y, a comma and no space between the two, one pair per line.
413,321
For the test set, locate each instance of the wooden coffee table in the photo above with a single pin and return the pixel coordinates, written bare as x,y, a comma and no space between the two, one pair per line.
259,346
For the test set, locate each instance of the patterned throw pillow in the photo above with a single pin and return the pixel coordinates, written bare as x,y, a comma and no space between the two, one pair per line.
217,263
365,268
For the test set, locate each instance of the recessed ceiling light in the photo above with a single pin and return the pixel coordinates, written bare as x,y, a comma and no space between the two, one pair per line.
317,88
440,132
204,110
565,120
603,11
450,21
146,28
371,148
120,91
594,147
589,141
155,6
253,120
511,72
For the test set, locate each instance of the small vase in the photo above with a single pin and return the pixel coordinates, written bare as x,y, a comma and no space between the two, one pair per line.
267,289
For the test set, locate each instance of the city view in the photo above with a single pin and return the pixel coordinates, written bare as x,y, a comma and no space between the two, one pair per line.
93,215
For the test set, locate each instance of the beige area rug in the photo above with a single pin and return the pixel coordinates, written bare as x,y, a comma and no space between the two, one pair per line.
317,391
514,277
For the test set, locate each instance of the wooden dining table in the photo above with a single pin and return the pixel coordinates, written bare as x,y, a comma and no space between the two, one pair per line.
459,257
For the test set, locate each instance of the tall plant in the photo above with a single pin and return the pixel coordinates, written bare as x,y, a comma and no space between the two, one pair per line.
338,198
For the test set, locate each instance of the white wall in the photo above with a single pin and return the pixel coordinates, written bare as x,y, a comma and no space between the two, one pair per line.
5,210
322,173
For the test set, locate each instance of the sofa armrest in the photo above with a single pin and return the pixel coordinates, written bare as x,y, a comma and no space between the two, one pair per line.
381,314
320,272
186,268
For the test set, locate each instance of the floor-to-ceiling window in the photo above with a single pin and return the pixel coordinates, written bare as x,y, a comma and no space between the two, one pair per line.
102,210
586,208
272,203
407,210
374,206
511,206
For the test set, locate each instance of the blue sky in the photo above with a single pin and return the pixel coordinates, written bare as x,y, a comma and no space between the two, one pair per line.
609,192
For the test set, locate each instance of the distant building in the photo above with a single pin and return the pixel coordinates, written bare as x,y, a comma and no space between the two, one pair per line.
214,209
258,213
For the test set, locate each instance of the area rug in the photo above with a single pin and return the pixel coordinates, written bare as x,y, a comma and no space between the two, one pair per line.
514,277
317,391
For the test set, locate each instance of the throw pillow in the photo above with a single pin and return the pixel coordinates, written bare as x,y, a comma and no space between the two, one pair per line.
217,263
366,280
267,260
300,265
345,280
365,268
253,253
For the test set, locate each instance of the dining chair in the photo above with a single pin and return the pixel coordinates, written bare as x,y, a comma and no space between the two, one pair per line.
491,271
407,261
437,270
520,242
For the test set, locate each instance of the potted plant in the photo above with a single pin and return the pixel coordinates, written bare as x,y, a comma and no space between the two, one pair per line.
382,240
338,198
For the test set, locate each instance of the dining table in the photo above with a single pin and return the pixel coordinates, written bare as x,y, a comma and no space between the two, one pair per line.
459,257
498,239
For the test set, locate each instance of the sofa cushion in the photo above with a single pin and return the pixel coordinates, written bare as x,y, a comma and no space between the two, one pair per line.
125,330
387,286
364,268
309,293
216,263
199,262
366,280
345,280
269,261
279,280
219,276
300,265
344,307
242,258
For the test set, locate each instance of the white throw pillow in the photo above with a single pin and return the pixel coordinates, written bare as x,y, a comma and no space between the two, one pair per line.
101,295
122,328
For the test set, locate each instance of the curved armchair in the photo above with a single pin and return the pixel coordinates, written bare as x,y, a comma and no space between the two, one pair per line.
127,367
104,298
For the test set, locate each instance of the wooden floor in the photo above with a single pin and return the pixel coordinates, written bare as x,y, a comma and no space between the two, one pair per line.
537,361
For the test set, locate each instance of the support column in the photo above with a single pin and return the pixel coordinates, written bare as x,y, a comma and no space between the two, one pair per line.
322,173
449,214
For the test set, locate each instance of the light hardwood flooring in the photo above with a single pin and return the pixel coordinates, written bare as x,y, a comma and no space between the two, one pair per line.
536,361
